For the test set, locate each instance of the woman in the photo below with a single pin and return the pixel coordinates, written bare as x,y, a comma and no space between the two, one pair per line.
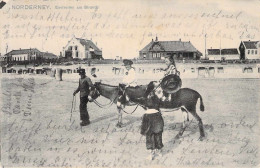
171,69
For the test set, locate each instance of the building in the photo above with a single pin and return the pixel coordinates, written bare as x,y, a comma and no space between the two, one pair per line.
28,55
223,54
49,56
82,49
249,50
155,50
23,55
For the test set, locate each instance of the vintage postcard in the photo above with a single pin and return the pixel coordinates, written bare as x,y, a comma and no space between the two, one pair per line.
131,83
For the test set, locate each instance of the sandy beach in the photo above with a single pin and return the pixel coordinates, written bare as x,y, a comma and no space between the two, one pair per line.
37,131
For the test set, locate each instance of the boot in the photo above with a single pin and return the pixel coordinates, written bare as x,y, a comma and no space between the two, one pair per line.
85,123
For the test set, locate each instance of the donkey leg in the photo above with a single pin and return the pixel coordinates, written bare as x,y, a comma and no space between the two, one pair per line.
119,123
202,134
185,122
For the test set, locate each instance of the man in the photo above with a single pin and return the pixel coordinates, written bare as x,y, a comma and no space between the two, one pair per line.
83,88
128,80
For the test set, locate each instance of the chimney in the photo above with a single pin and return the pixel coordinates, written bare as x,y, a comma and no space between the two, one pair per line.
180,39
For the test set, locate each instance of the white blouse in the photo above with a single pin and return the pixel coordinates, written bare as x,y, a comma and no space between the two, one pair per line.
130,78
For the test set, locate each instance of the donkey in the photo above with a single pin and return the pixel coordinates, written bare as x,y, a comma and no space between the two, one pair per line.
184,99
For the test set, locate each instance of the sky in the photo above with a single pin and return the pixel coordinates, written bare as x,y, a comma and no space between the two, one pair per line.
123,28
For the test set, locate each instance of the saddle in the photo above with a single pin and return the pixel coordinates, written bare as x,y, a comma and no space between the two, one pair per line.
171,83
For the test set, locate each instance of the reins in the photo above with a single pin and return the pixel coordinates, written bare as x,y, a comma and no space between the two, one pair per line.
104,105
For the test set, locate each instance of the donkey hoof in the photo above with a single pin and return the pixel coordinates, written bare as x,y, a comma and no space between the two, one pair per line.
119,125
177,136
201,138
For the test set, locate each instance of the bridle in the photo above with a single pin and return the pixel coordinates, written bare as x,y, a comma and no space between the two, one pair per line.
99,104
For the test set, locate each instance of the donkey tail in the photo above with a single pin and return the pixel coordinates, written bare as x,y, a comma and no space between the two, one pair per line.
202,108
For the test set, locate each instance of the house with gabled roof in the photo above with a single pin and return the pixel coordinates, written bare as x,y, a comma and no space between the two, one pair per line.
156,50
81,49
249,50
223,54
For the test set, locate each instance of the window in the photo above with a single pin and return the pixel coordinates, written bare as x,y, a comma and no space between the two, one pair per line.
77,54
70,47
252,51
255,51
192,70
158,55
76,47
154,55
248,51
144,55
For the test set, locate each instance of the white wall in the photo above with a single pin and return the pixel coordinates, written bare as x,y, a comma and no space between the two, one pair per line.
22,57
81,49
227,57
254,55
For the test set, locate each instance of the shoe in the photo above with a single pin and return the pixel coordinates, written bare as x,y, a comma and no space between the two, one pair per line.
85,123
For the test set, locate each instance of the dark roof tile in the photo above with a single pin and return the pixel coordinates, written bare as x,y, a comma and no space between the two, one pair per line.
250,44
172,46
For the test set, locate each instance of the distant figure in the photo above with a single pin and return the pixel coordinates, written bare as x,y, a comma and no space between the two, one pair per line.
2,4
93,72
152,128
84,84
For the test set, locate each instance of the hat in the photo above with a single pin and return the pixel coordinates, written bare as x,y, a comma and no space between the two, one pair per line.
81,71
127,62
171,83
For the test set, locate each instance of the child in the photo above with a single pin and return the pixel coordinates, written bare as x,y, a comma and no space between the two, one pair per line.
152,128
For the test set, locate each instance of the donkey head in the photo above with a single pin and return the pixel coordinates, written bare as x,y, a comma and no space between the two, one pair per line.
94,91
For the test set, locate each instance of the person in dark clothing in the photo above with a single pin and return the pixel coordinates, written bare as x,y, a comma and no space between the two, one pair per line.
84,84
152,128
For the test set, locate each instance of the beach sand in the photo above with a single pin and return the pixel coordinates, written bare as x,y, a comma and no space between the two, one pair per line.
36,129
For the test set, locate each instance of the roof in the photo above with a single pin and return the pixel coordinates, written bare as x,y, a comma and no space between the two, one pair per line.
180,46
88,43
49,55
22,51
250,44
226,51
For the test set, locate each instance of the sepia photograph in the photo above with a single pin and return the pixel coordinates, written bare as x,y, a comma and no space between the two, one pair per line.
131,83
